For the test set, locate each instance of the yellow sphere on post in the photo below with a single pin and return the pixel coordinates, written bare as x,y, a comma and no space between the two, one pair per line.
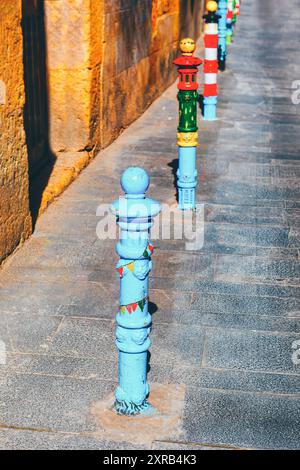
187,46
212,6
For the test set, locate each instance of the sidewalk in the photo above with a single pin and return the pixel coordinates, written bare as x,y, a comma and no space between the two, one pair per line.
224,318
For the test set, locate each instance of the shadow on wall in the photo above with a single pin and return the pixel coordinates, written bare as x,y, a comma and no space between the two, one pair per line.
191,12
134,42
36,112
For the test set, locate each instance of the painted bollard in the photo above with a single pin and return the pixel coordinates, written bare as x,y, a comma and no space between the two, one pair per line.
229,22
187,135
222,29
210,93
135,213
234,15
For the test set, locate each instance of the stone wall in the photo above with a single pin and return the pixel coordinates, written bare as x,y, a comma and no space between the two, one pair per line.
15,220
107,61
73,33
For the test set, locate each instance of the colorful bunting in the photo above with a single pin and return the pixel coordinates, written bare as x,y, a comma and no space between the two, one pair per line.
132,307
141,304
147,254
149,251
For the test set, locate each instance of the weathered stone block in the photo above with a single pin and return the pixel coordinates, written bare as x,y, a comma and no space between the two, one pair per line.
15,220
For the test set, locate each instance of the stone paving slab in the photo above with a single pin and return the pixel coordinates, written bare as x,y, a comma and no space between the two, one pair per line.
225,318
250,350
32,440
258,268
68,402
226,286
28,333
239,380
245,420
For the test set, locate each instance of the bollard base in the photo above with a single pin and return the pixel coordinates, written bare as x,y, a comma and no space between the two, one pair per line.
133,390
162,422
222,65
187,178
187,199
131,409
210,108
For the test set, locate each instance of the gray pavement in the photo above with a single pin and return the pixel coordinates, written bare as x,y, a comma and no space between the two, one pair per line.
225,317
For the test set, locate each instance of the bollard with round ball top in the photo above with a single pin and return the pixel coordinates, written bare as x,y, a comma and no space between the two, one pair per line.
135,213
222,49
187,135
210,93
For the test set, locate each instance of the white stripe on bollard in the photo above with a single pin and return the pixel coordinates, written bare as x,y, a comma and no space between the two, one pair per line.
210,78
211,28
211,54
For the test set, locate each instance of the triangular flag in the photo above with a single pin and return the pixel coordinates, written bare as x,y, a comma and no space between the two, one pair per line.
120,271
141,305
130,266
134,306
129,308
123,310
151,248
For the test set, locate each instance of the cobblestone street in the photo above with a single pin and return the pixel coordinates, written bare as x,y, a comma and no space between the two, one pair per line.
226,325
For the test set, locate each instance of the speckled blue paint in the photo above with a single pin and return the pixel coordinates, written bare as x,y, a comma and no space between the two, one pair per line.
135,214
222,11
210,108
187,177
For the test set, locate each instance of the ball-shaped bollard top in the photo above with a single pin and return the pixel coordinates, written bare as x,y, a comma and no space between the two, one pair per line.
187,46
135,181
212,6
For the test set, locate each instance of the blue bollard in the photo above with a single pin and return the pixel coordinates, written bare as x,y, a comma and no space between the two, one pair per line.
135,213
210,108
187,177
222,11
